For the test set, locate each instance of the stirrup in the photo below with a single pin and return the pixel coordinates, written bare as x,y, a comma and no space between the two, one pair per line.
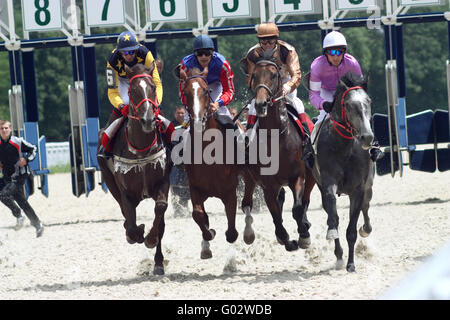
104,154
376,154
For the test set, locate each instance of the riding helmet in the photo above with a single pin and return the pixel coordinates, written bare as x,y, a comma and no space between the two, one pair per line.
127,41
268,30
203,42
334,39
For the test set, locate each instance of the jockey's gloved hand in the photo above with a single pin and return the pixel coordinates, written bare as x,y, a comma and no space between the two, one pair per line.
124,109
327,106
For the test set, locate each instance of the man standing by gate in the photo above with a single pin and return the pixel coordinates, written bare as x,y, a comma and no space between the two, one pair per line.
15,154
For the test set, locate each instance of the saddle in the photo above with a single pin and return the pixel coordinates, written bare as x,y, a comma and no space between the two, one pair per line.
303,128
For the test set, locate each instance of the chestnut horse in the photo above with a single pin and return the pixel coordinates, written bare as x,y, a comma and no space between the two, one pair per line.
140,168
272,115
209,178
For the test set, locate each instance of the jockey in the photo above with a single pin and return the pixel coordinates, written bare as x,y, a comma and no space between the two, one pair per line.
220,77
128,51
268,34
325,73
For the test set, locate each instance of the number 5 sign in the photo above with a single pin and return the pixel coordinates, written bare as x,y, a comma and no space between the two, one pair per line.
230,8
41,15
104,12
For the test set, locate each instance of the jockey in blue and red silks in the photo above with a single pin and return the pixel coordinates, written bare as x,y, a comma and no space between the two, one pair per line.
325,73
220,76
128,52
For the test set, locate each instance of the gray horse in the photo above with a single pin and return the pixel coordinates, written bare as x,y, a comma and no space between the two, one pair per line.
342,163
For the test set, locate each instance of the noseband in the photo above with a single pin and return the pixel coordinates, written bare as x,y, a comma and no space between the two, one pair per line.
137,106
347,126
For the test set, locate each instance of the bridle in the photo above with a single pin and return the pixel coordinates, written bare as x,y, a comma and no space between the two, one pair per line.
347,126
137,118
262,85
207,114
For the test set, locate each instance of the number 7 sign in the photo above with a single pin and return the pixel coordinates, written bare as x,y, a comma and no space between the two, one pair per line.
104,12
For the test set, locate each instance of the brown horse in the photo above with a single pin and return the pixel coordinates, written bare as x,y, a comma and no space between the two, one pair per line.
140,168
271,110
209,178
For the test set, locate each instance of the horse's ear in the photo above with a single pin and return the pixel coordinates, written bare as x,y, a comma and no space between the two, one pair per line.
182,74
127,71
365,83
176,71
243,65
151,68
204,73
342,84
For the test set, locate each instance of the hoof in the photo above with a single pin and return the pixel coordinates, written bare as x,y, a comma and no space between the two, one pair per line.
206,254
231,236
363,233
280,241
149,243
351,267
130,241
291,245
304,243
249,238
332,234
158,271
339,264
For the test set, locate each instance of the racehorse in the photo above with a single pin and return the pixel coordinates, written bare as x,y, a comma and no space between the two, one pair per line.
208,179
140,168
342,162
272,115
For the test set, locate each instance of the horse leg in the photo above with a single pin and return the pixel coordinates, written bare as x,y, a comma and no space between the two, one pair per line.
271,197
247,205
329,205
299,212
152,238
159,258
201,218
281,198
133,232
230,209
366,228
355,209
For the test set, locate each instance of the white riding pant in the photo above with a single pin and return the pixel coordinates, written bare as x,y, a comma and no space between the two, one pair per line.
326,95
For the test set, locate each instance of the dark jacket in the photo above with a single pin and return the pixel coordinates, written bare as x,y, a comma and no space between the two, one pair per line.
11,151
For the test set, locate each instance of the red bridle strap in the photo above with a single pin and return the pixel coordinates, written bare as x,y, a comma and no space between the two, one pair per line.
348,126
136,107
146,148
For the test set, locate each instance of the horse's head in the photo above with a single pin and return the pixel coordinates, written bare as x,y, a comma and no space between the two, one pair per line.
196,96
266,80
142,91
352,108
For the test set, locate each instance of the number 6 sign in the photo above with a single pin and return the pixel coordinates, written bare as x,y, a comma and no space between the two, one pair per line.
41,15
104,12
167,10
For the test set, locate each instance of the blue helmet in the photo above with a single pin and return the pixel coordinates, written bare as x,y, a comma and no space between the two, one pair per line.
126,41
203,42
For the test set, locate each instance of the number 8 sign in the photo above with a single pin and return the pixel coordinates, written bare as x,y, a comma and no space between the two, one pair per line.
41,15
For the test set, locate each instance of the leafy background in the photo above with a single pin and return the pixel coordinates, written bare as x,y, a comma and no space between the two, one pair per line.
425,45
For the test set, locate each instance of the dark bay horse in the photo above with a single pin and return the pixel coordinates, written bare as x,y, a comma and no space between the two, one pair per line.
342,162
272,114
140,168
209,178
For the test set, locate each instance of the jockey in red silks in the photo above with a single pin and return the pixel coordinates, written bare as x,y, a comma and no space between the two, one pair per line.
220,77
128,52
268,37
325,73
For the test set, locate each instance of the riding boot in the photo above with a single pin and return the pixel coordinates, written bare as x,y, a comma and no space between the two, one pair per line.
308,153
105,150
375,152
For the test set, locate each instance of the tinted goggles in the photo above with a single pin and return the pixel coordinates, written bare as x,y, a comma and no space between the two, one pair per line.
129,52
266,42
335,52
203,52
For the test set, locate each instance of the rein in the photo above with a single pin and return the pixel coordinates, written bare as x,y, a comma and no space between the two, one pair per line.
347,126
137,118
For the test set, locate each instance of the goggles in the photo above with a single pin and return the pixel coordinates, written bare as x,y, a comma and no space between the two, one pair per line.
266,42
129,52
335,52
203,52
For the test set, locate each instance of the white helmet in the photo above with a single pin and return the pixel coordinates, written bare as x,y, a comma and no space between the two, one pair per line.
334,39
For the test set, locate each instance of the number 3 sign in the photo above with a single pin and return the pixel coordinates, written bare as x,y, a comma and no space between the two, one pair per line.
41,15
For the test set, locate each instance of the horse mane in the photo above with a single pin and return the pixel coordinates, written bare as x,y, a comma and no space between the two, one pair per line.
273,55
138,68
353,80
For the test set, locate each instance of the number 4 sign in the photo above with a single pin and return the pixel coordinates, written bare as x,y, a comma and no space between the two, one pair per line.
41,15
292,6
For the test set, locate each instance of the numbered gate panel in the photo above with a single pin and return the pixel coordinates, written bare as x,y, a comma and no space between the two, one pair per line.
171,10
101,13
41,15
232,9
294,7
